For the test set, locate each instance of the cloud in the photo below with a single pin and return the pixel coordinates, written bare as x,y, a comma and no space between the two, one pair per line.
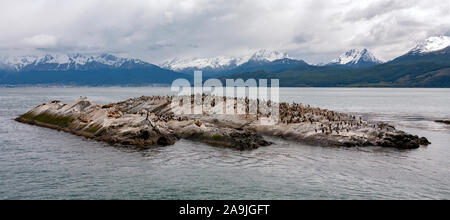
378,8
41,41
155,30
160,45
302,38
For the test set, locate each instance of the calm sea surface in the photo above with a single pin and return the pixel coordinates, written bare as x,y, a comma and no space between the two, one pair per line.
39,163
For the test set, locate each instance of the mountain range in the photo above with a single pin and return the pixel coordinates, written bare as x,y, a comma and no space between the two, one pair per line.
222,65
78,69
264,60
425,65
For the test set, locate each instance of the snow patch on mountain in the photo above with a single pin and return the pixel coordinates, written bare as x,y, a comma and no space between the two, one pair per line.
356,56
431,44
15,62
222,62
64,61
268,55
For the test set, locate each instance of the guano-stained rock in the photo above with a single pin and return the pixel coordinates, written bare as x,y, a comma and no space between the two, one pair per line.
149,121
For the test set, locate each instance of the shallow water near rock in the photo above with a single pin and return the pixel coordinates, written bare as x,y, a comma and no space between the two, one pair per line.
39,163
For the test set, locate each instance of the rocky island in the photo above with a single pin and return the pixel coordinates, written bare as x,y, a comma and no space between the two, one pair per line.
443,121
149,121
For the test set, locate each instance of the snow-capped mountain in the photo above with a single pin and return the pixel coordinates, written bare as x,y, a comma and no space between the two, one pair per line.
221,63
78,69
356,58
58,62
15,62
432,50
431,44
268,55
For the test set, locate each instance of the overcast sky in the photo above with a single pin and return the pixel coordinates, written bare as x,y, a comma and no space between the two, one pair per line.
157,30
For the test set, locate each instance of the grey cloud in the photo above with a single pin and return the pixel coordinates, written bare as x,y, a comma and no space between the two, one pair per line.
301,39
155,30
161,45
194,45
378,8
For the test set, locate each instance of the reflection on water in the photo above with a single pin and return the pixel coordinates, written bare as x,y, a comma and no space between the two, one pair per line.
46,164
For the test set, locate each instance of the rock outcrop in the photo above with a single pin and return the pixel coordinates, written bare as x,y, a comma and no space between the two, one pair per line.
149,121
443,121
